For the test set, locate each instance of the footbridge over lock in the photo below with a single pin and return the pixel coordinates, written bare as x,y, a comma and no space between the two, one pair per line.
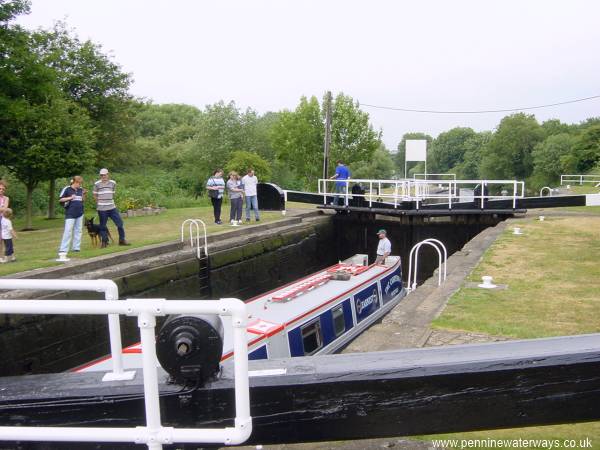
422,197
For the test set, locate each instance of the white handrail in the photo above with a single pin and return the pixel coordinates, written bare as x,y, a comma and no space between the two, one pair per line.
419,191
154,435
577,178
111,293
196,223
426,176
436,244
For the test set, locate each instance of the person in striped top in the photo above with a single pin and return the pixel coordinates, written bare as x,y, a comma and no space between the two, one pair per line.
104,192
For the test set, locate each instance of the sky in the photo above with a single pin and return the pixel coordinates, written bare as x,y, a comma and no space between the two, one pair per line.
436,55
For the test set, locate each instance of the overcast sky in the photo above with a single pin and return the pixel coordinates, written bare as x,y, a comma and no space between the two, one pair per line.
442,55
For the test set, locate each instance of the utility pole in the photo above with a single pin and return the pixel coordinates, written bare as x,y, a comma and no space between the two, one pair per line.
327,142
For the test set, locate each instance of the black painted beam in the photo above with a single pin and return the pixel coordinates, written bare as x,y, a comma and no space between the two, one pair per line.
425,211
338,397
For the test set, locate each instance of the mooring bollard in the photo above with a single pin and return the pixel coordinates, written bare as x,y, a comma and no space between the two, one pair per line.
542,218
517,230
487,282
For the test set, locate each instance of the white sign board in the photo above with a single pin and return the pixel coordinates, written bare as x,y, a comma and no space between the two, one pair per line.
416,150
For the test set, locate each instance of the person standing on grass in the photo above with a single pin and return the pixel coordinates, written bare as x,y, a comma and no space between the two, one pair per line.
71,197
249,181
104,193
4,201
216,187
8,233
236,192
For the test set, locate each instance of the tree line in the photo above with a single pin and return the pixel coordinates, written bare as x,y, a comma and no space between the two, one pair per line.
66,108
519,148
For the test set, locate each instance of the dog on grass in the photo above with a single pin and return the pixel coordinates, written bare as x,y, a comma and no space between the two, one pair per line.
94,231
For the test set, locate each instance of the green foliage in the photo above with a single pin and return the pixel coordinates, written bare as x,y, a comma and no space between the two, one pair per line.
468,168
9,9
298,141
586,150
298,138
242,161
508,155
380,166
551,158
448,149
352,137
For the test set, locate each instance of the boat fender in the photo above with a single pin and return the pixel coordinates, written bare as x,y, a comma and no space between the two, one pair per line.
189,348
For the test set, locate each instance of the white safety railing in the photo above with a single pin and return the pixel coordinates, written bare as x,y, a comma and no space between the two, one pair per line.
396,191
111,293
542,190
194,231
575,178
414,252
154,435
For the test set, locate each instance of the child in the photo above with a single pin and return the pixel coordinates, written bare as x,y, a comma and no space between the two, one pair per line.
7,236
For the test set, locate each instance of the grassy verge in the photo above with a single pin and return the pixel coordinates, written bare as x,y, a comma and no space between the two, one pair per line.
553,278
39,248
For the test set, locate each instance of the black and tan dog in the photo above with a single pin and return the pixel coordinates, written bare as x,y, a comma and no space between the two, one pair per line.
94,231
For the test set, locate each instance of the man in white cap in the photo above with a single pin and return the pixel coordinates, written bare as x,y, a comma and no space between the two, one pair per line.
104,192
384,248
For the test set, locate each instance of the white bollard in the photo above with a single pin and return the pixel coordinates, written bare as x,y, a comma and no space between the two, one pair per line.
542,218
517,230
487,282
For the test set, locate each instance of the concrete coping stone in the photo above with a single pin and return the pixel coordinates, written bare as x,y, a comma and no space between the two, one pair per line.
75,267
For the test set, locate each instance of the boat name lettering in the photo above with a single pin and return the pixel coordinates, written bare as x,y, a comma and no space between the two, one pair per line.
366,302
391,281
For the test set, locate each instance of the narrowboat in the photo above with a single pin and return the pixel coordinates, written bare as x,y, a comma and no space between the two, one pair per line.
318,314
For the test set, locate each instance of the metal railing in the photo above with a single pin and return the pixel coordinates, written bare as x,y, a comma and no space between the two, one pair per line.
414,253
194,225
580,179
111,293
419,191
154,435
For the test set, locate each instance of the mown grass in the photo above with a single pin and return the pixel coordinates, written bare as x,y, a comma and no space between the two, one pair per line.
39,248
553,278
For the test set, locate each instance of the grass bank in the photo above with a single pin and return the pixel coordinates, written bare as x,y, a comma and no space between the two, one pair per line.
39,248
553,278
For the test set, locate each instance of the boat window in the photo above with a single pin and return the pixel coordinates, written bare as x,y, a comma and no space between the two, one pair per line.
339,323
311,337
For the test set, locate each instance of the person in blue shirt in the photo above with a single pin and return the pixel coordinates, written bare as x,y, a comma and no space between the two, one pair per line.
341,173
71,197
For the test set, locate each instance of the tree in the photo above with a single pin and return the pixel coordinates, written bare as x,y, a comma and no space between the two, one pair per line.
50,140
468,169
352,137
241,161
380,166
448,149
400,154
297,138
508,154
550,158
586,149
96,83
